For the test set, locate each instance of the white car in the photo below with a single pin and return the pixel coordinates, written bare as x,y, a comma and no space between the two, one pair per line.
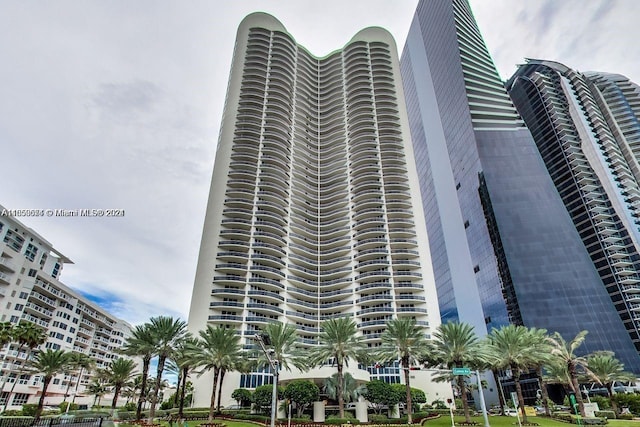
511,412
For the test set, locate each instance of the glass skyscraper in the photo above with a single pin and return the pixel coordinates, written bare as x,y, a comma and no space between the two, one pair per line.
503,245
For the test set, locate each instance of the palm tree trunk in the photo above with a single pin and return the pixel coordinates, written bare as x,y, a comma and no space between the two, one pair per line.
114,402
496,378
45,386
463,397
340,393
143,392
516,380
405,368
212,404
543,391
156,389
222,372
75,392
183,390
614,405
576,388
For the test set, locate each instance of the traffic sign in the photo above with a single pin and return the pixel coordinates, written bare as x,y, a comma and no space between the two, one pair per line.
461,371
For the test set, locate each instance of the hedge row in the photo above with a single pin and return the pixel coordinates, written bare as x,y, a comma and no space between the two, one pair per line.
563,416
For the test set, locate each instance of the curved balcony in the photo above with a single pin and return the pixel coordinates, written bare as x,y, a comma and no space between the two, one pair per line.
225,318
227,291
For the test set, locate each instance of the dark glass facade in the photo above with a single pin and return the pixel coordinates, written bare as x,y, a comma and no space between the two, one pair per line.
504,247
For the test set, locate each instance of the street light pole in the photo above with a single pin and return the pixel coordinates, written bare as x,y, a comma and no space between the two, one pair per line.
264,341
482,404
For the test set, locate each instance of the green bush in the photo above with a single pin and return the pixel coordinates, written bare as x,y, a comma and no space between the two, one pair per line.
63,407
252,417
593,421
339,421
131,406
631,401
625,416
605,414
603,402
380,419
29,409
12,413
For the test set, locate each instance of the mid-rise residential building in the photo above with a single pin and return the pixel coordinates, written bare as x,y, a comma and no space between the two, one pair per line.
314,208
31,291
586,127
504,246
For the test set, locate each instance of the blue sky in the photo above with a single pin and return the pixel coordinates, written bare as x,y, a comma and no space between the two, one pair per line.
117,104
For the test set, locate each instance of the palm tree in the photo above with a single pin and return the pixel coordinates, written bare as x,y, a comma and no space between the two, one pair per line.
118,374
167,333
455,345
564,353
283,338
82,363
97,390
605,369
541,359
49,363
403,340
28,336
6,337
351,390
182,365
338,343
141,344
218,350
514,347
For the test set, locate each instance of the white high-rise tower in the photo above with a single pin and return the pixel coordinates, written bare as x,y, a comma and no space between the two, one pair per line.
314,210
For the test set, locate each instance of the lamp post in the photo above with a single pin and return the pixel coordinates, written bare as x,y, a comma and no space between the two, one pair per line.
482,404
265,341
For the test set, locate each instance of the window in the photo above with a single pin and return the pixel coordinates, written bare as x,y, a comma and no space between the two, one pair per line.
69,339
14,319
18,307
72,330
476,268
56,270
32,272
3,397
43,260
20,398
31,252
23,295
56,381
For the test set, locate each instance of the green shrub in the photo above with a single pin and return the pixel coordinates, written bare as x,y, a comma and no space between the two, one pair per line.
29,409
603,402
252,417
130,406
605,414
339,421
193,413
625,416
380,419
593,421
63,406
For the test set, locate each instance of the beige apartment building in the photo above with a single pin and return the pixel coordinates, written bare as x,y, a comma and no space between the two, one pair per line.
31,291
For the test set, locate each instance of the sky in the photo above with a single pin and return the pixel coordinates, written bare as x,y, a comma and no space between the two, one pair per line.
117,105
